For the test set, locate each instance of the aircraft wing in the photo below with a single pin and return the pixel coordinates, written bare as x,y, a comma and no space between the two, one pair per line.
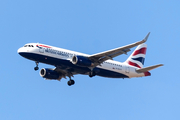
103,56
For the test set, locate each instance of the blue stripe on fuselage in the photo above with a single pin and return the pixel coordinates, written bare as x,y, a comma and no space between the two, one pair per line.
81,70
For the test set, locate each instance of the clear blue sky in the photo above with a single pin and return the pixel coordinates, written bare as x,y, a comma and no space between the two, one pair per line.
90,27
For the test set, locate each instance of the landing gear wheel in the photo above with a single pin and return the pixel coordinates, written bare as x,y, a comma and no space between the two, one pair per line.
92,74
36,68
71,82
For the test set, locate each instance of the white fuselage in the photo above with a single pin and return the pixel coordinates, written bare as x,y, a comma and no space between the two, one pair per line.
46,54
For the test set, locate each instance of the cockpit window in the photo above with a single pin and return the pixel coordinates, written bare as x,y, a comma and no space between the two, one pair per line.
28,46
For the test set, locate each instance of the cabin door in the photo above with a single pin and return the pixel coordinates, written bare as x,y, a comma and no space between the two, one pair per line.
127,69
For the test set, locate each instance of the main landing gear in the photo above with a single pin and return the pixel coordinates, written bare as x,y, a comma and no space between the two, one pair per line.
92,74
71,82
36,68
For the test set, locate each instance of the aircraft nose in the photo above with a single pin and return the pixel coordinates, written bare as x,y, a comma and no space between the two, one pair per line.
19,50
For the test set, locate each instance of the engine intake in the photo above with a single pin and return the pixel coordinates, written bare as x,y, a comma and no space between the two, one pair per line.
81,61
49,73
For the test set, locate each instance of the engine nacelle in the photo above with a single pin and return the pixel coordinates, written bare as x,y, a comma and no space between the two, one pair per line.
82,61
49,74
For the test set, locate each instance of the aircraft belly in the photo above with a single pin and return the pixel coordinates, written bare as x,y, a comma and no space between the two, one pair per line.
110,74
66,64
62,63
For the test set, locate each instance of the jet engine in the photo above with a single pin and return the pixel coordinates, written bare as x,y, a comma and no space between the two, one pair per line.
49,74
81,61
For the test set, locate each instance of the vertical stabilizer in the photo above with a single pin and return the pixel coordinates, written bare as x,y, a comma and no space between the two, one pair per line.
137,58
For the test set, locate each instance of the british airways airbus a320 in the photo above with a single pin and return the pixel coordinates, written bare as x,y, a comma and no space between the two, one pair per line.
69,63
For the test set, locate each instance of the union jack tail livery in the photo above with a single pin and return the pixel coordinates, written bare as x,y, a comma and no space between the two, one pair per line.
137,58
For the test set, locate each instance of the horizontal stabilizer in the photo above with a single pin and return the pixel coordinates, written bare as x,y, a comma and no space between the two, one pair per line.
146,69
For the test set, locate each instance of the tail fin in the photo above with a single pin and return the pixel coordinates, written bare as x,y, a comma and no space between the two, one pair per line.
137,58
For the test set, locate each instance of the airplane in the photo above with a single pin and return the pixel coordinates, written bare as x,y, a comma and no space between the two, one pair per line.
69,63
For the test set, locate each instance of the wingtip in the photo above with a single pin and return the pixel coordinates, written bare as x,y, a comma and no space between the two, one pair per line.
145,39
161,64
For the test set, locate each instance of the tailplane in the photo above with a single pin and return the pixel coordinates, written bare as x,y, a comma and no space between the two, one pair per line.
146,69
137,58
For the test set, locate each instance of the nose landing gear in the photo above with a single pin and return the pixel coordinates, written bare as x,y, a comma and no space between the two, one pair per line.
36,68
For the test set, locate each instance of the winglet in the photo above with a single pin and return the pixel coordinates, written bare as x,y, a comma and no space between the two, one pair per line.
145,39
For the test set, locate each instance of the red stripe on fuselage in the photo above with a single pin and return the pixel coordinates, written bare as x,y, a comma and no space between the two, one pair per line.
44,46
140,51
133,64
